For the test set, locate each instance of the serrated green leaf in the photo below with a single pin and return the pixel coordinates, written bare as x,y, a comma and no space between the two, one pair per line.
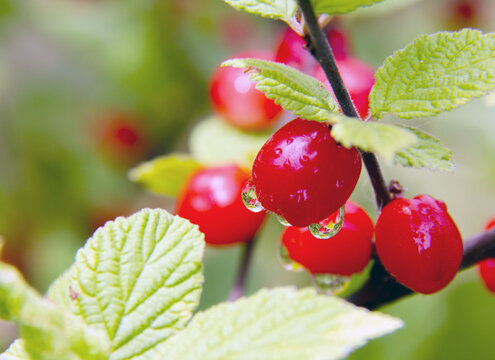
16,351
59,291
284,10
427,153
299,93
139,279
334,7
214,142
165,174
435,73
47,331
279,324
382,139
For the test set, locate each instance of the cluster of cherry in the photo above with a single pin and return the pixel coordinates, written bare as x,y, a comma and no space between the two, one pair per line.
305,177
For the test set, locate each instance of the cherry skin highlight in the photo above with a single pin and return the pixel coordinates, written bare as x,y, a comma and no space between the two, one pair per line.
211,199
419,243
486,267
346,253
236,100
302,174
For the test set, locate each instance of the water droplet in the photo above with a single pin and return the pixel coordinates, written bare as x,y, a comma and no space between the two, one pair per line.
287,262
330,284
330,226
278,151
250,199
282,220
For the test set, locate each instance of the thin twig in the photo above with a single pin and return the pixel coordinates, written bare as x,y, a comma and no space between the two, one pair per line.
240,284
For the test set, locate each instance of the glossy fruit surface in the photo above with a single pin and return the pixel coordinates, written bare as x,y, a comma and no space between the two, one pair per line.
346,253
302,174
211,199
419,243
486,267
358,78
236,100
291,49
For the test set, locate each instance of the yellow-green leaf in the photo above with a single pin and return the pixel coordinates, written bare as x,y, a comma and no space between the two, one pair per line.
165,174
435,73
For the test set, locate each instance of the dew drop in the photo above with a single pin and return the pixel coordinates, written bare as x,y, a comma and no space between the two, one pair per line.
250,199
287,262
282,220
329,227
329,284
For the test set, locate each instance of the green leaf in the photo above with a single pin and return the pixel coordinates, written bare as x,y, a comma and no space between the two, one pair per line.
60,291
279,324
214,142
294,91
333,7
284,10
428,153
16,351
139,279
47,331
165,174
435,73
382,139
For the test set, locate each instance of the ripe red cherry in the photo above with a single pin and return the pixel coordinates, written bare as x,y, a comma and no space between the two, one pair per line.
464,13
358,77
302,174
211,199
419,243
291,49
486,267
120,135
236,100
346,253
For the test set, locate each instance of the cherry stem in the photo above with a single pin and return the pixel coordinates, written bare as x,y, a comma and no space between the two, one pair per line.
240,284
321,50
381,288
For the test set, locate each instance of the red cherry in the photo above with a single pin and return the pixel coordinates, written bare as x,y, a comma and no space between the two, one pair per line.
302,174
121,136
486,267
212,199
346,253
236,100
291,49
464,13
358,77
419,243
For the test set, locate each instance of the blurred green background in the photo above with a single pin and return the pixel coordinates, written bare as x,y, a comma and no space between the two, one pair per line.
89,88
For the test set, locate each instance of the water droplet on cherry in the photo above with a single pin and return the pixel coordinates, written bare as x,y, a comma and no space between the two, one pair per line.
330,226
250,199
329,284
287,262
282,220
